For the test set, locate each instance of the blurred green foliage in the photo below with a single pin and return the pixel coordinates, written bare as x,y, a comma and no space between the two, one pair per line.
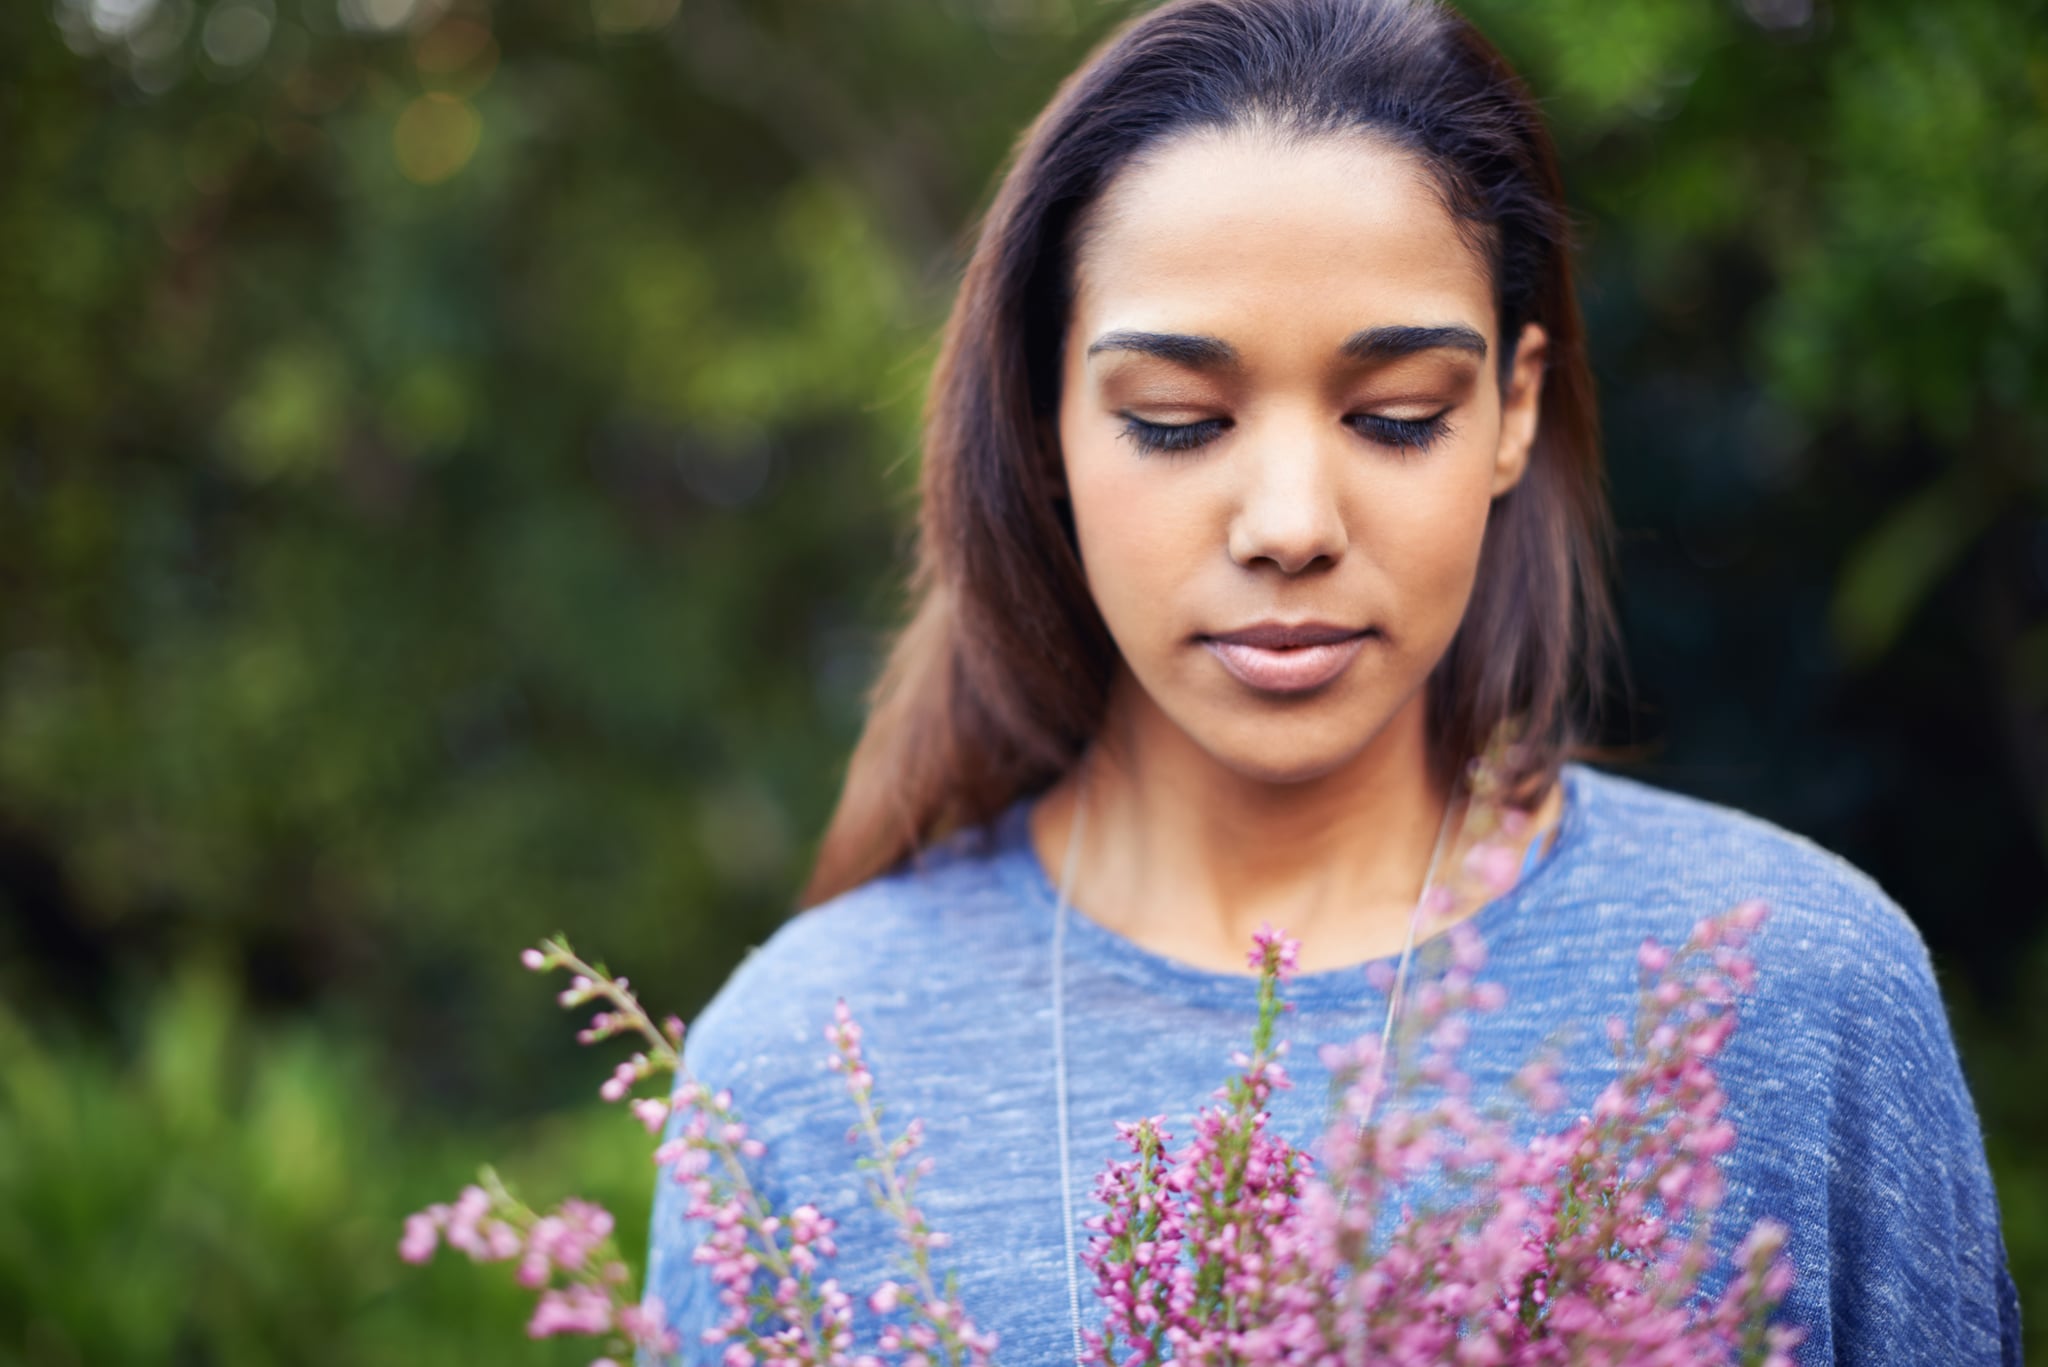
220,1192
455,469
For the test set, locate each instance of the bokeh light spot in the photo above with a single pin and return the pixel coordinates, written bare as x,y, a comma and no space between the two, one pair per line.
1780,14
631,16
119,18
237,32
435,137
383,16
454,46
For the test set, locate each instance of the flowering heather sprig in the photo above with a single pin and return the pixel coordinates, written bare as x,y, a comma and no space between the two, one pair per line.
1217,1195
1585,1247
807,1320
938,1328
568,1254
779,1310
1147,1289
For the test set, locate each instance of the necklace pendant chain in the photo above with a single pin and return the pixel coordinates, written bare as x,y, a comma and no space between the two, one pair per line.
1059,1027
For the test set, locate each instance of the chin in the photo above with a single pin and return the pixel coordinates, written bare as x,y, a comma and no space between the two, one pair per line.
1281,751
1286,742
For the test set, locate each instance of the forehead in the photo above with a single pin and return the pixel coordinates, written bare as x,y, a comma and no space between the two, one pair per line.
1246,230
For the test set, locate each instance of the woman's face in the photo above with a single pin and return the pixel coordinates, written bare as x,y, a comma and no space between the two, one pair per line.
1281,421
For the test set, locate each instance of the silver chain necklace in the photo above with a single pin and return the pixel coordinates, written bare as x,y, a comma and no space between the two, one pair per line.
1059,1023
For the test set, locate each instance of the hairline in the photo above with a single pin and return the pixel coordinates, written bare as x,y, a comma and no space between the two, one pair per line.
1289,131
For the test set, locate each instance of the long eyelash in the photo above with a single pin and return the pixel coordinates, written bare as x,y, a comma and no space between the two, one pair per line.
1405,435
1167,437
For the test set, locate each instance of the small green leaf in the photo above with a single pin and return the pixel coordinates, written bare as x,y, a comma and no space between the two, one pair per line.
1890,573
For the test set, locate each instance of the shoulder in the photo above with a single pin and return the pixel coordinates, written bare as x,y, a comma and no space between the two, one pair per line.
1845,1062
925,934
1828,917
1846,1024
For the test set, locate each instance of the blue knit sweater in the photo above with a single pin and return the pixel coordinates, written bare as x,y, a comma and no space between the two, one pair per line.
1855,1124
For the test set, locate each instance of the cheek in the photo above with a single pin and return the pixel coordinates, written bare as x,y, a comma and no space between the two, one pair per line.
1426,539
1140,535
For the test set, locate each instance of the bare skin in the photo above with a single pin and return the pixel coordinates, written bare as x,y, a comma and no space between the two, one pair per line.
1320,483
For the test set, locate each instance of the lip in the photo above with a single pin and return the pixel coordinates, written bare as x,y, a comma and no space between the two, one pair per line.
1283,657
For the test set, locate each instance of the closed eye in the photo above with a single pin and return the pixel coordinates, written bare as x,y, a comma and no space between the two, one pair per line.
1170,437
1404,435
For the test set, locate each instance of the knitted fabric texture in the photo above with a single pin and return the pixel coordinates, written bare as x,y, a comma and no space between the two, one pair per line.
1856,1127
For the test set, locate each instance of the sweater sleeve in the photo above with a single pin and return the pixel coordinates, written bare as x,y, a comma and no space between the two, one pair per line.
1918,1273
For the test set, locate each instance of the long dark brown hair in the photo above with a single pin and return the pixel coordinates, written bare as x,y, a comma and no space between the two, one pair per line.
1000,678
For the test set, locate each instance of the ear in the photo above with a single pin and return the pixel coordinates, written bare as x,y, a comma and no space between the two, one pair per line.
1520,406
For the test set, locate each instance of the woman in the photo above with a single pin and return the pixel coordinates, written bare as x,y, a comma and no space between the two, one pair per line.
1261,483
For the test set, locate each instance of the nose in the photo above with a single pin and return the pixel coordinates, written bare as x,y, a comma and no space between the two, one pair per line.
1288,510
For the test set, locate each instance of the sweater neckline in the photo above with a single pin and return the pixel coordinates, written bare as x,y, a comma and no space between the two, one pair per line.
1092,943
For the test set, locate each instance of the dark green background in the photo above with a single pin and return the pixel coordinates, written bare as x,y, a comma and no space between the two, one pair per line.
455,470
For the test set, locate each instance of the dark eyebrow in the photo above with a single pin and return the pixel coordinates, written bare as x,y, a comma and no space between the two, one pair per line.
1388,343
1197,353
1373,344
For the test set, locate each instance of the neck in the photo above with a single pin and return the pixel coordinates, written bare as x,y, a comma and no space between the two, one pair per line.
1187,856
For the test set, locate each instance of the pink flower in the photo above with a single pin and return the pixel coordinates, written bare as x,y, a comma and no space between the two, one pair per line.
421,1237
1275,951
570,1310
651,1112
1494,865
646,1325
